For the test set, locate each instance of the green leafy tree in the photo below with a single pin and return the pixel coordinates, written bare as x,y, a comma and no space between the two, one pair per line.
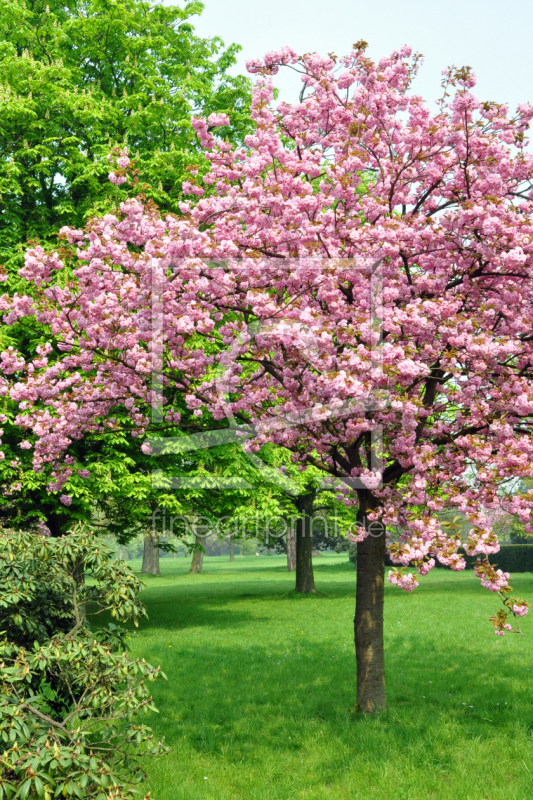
79,76
76,78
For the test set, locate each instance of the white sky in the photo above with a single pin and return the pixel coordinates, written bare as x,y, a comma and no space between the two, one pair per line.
491,36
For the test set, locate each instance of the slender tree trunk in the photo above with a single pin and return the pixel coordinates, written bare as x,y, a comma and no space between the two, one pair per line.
79,578
197,561
291,551
368,621
150,556
305,583
55,523
231,550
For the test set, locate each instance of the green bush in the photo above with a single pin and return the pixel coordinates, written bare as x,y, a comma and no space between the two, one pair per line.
70,694
511,558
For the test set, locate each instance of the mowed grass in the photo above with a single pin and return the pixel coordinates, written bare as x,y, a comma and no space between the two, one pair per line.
261,684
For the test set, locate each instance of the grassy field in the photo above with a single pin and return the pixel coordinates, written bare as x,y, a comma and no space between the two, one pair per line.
261,683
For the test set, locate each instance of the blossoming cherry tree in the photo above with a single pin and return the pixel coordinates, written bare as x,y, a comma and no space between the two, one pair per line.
416,401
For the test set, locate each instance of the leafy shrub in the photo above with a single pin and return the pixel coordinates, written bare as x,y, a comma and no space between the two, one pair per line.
343,546
70,695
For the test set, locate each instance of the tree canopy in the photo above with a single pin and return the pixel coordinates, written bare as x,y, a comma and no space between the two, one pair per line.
382,336
77,78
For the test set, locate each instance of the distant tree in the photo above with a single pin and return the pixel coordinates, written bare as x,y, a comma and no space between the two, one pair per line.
76,78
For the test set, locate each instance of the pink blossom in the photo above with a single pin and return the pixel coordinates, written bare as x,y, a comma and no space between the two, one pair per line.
43,528
117,179
491,578
218,119
266,284
426,566
406,581
361,535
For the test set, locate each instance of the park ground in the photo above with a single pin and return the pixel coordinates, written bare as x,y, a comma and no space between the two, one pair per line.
261,684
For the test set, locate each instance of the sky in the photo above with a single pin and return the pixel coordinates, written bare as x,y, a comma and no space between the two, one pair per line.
494,38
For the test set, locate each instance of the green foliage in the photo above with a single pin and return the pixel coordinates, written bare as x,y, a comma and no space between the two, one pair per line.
510,527
79,76
70,695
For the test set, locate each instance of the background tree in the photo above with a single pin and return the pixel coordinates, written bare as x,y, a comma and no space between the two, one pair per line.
75,79
78,77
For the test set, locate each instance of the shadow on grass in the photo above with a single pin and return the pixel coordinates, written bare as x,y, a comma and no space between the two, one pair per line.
209,613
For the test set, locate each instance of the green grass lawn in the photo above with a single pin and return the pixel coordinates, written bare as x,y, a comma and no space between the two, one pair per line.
261,684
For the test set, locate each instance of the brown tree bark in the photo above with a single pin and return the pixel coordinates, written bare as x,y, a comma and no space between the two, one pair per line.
197,561
368,620
231,550
150,565
305,582
291,551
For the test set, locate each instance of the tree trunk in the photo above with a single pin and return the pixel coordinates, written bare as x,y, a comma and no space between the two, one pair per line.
368,622
197,560
78,575
291,551
231,550
305,583
79,572
55,523
150,556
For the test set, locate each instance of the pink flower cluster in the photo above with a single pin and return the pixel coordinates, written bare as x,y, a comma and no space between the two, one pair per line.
491,578
360,536
122,161
405,581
